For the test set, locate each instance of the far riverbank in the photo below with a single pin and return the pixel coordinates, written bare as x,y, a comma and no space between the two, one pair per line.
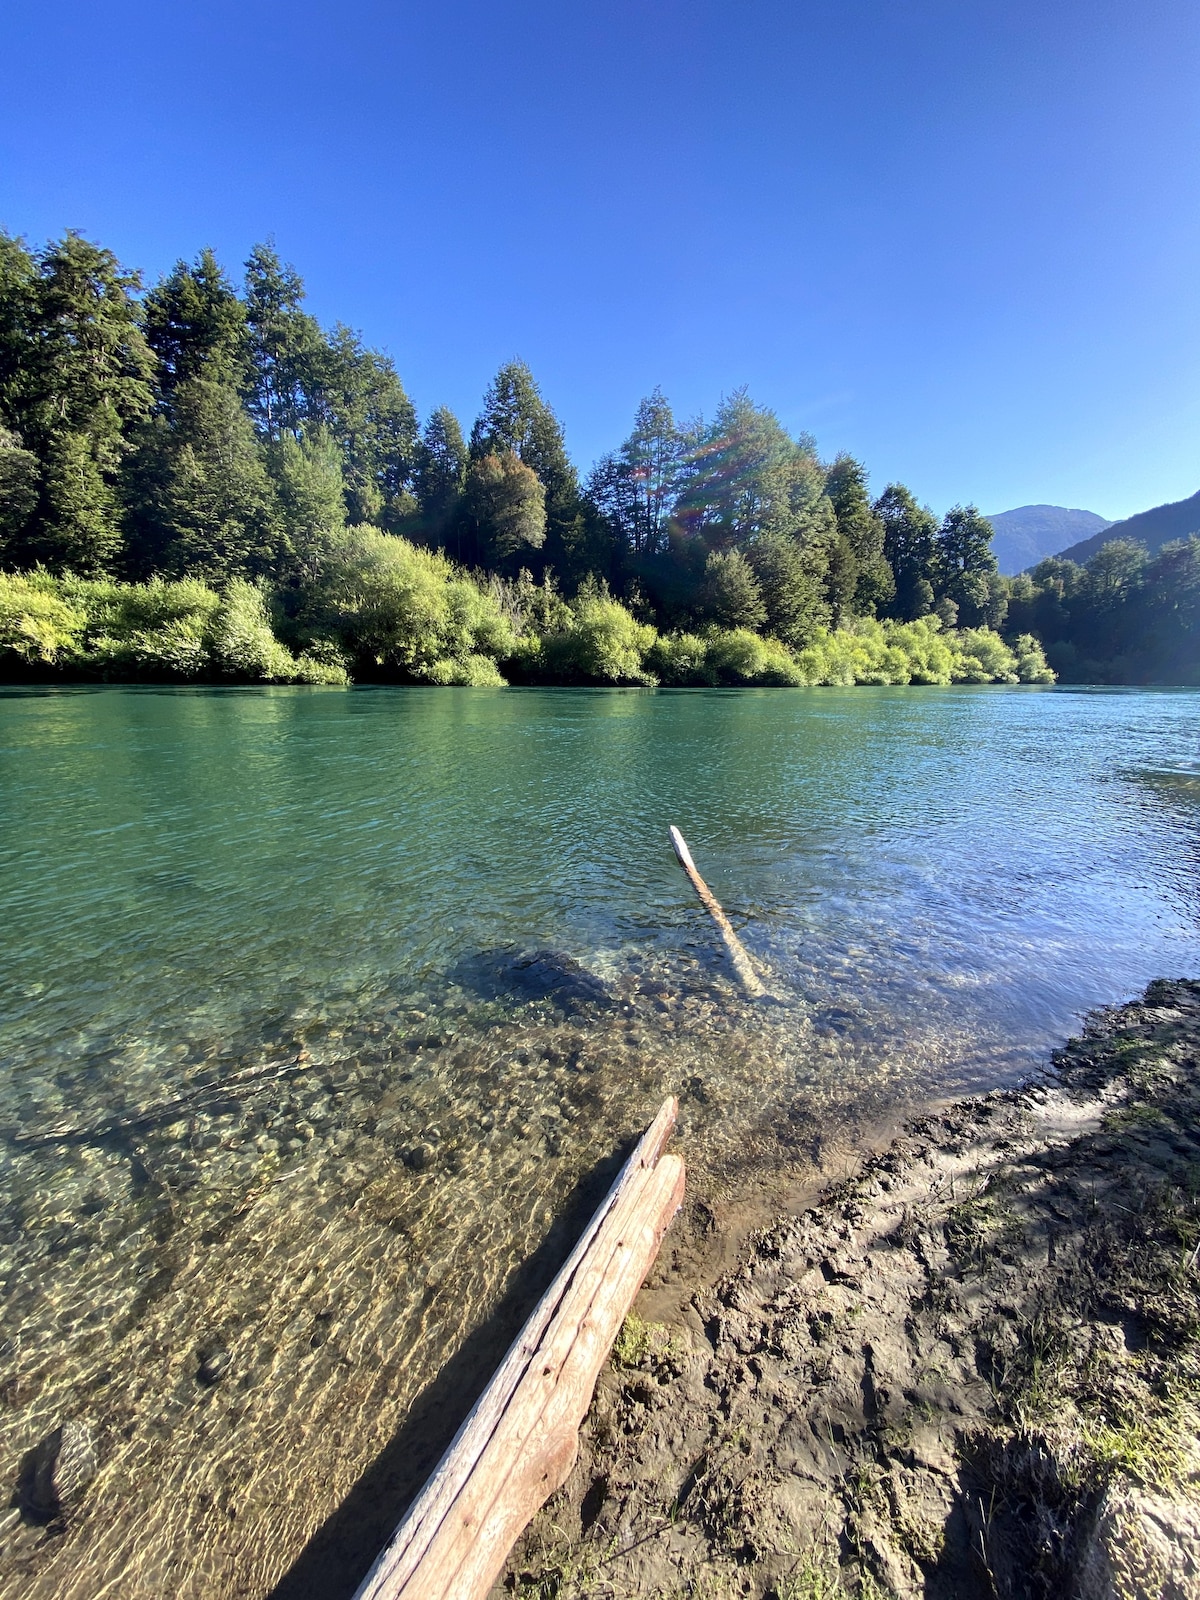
972,1369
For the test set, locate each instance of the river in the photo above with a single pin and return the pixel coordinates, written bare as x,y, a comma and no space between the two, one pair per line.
322,1005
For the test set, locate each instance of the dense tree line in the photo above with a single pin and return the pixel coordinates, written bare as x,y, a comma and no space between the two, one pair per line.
206,433
1125,617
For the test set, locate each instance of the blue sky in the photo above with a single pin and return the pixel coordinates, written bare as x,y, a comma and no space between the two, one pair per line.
956,237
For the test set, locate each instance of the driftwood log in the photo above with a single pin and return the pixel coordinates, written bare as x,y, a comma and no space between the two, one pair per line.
737,951
519,1442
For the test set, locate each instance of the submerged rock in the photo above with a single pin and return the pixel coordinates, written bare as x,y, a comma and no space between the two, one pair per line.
532,975
214,1363
57,1470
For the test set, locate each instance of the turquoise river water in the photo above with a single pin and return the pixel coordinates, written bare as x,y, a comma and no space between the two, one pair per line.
320,1004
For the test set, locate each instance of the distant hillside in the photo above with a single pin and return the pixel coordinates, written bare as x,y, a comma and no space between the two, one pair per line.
1154,528
1030,533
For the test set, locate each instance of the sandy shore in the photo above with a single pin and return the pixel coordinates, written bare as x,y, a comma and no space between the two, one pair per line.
971,1369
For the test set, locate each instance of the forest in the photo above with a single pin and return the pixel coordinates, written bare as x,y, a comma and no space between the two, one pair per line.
200,482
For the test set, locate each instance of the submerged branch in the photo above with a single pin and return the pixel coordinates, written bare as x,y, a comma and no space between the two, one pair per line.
737,951
164,1111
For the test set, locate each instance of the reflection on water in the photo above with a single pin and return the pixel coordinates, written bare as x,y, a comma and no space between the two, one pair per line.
320,1004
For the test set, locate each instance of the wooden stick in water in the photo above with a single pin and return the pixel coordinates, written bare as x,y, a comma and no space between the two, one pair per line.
737,951
519,1441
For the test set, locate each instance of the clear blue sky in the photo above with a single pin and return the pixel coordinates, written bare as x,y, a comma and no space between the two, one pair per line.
959,238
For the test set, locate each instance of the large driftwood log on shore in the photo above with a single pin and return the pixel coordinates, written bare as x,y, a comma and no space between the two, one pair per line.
737,951
519,1442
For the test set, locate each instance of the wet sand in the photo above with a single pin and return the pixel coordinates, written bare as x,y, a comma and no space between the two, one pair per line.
972,1368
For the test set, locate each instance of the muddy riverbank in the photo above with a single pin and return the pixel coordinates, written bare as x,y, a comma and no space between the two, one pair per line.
970,1369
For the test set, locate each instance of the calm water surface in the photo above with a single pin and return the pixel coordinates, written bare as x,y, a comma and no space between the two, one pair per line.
319,1003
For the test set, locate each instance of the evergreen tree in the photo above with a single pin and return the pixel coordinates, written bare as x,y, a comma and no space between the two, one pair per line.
311,492
365,409
199,495
1115,571
506,508
441,472
738,475
20,470
1170,613
966,567
910,548
731,597
196,326
87,386
516,420
18,328
861,537
205,503
635,488
20,476
793,594
288,351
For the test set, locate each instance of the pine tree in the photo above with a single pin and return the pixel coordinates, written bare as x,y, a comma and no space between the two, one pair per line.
85,388
861,534
966,567
441,471
196,326
910,549
288,351
363,406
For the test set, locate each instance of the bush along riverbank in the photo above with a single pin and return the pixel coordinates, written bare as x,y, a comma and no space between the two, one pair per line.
972,1370
377,607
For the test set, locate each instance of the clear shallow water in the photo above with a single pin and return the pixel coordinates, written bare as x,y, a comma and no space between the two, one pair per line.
461,906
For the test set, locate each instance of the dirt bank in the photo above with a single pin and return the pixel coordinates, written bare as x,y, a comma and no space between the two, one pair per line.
973,1369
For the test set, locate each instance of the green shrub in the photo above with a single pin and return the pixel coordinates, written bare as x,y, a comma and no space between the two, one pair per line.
390,604
472,672
322,663
239,640
737,656
678,660
604,644
930,658
387,604
156,629
1032,666
983,657
37,625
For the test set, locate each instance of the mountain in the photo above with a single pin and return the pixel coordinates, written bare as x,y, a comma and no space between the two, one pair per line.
1028,534
1154,528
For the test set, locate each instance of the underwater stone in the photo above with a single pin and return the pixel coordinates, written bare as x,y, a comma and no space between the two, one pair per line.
58,1469
214,1363
419,1157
